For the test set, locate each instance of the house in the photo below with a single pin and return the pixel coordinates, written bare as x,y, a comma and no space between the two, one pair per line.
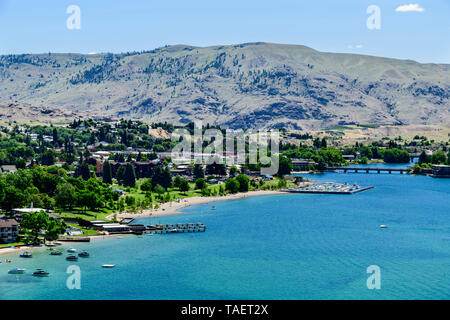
9,230
348,157
8,168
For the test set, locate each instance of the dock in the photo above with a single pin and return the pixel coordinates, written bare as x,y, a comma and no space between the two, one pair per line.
177,228
367,170
328,188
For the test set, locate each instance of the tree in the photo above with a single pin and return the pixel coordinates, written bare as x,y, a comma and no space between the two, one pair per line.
120,174
83,171
198,172
54,229
35,222
129,178
216,169
107,172
232,185
200,183
243,181
184,185
147,185
65,196
162,176
233,171
285,166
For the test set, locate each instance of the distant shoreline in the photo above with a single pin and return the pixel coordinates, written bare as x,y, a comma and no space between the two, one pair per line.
174,207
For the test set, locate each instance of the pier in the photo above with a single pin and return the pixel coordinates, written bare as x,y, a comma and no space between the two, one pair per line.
368,170
329,188
177,228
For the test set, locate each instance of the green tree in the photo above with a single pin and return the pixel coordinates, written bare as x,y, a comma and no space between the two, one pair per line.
146,185
129,178
200,183
65,196
184,185
232,185
198,171
244,182
107,172
34,222
285,166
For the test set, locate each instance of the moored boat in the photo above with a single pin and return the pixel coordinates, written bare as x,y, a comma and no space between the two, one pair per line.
26,255
72,258
17,271
71,250
55,253
108,266
40,273
83,254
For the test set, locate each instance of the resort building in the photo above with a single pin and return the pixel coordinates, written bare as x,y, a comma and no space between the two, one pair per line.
9,230
440,171
302,164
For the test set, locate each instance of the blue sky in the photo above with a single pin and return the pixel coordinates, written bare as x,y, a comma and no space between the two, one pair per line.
29,26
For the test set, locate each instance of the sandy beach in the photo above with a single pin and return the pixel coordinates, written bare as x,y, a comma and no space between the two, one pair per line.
171,208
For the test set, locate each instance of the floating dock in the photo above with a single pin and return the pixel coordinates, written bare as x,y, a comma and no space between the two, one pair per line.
177,228
329,188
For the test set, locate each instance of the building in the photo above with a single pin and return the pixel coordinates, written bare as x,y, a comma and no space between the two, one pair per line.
440,171
302,164
8,168
348,157
9,230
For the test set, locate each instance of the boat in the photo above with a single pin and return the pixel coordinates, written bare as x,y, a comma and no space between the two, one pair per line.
55,253
71,250
383,226
26,255
83,254
40,273
213,208
108,266
72,258
17,271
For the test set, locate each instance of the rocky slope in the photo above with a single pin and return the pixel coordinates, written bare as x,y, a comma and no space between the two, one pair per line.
241,86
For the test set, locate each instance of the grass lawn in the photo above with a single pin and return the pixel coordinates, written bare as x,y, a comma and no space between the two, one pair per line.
7,245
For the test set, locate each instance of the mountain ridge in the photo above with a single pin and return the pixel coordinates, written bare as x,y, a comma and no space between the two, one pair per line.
239,86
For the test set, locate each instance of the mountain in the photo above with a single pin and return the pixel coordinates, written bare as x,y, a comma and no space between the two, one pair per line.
248,85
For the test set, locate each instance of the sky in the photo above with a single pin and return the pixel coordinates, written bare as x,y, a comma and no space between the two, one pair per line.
405,29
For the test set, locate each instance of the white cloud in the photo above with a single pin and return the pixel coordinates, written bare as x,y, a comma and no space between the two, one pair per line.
358,46
410,7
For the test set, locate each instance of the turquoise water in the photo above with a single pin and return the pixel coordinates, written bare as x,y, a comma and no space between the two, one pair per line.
295,246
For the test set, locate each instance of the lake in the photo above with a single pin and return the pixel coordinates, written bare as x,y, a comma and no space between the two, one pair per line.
293,246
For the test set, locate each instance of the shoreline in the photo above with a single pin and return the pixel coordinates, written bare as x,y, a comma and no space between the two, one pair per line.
172,208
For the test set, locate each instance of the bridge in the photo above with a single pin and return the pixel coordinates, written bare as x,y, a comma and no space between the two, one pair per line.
367,170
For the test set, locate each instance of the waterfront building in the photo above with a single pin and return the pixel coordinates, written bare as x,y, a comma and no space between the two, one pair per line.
440,171
9,230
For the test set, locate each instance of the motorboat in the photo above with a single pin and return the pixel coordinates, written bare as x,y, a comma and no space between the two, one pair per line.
213,208
17,271
56,253
40,273
108,266
26,255
72,258
83,254
383,226
71,250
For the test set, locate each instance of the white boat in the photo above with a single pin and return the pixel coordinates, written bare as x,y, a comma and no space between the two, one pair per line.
108,266
17,271
383,226
72,250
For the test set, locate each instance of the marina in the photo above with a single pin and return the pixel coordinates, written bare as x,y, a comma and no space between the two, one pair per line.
177,228
329,188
